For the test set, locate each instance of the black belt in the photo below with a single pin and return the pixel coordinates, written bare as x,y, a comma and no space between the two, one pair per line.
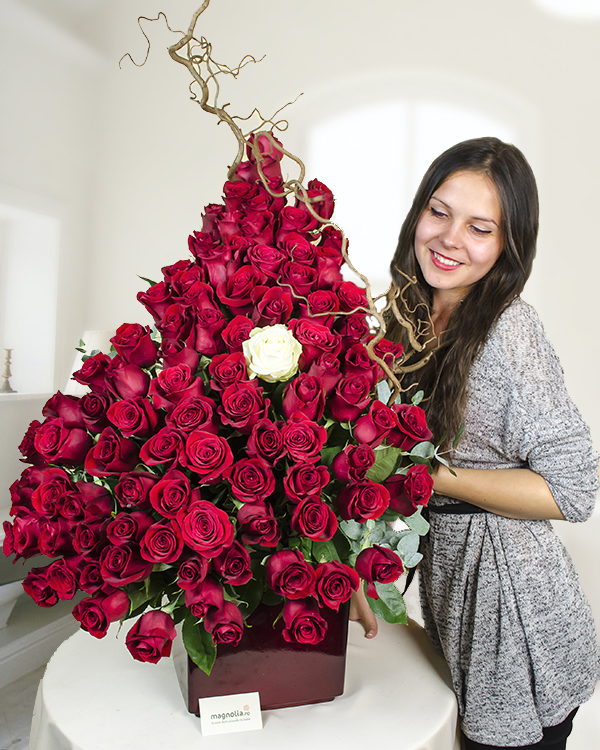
455,508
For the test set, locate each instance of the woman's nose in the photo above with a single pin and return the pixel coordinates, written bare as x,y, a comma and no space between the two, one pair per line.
450,237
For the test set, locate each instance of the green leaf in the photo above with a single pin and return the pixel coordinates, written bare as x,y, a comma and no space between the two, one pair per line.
412,560
385,464
325,552
352,529
250,594
389,516
459,434
328,454
417,398
390,605
408,543
270,598
418,523
148,281
423,450
199,644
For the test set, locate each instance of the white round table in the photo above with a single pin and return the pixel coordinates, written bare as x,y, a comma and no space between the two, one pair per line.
94,696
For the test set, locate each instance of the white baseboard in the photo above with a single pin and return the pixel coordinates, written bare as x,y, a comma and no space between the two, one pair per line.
33,650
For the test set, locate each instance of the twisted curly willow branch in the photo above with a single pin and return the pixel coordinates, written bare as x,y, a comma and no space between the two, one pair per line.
195,54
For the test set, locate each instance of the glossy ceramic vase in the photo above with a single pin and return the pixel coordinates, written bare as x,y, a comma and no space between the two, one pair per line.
284,674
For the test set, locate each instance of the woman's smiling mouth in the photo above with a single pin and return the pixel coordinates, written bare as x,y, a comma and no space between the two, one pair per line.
440,261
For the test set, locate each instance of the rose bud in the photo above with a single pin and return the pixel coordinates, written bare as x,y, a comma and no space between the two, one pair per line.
133,489
303,623
314,519
378,564
324,205
59,444
336,583
162,543
171,493
27,446
112,454
412,427
362,501
265,441
151,637
303,480
207,455
192,572
93,411
206,528
226,625
133,417
206,595
134,344
92,372
303,439
125,380
175,353
251,480
410,491
236,332
258,526
206,334
353,463
37,586
156,299
97,612
289,575
373,428
306,395
233,565
350,398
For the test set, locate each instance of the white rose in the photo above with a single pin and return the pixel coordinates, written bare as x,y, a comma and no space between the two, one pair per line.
272,353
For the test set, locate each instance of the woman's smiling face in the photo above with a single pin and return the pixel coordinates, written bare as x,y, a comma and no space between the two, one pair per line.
458,238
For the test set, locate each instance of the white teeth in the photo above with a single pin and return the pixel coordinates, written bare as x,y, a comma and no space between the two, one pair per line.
445,261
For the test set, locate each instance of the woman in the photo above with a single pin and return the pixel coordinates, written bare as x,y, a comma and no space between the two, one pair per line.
499,593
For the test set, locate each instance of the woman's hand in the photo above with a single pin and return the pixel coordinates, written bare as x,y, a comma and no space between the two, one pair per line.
361,612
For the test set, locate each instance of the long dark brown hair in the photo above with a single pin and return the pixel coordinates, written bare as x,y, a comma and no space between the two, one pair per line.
444,378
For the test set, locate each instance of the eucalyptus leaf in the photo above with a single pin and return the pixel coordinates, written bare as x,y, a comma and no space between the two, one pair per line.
418,397
423,450
418,523
199,644
385,464
412,560
352,529
408,544
389,516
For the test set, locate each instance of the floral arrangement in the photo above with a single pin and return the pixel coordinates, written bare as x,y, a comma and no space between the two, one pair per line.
236,451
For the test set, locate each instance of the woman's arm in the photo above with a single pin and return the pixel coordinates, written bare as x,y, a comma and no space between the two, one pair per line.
361,612
514,493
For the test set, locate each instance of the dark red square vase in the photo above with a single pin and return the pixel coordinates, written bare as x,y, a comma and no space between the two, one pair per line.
284,674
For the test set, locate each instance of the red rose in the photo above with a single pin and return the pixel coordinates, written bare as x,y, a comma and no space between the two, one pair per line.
411,490
378,564
93,411
133,489
192,572
412,427
350,398
165,447
92,372
227,369
211,254
233,565
324,205
27,446
353,329
206,528
251,480
56,537
300,277
151,637
37,586
59,444
289,575
62,577
171,493
316,339
22,489
156,299
134,344
271,307
90,576
202,597
266,260
162,543
303,480
242,406
322,305
177,353
207,455
207,331
353,463
66,408
292,219
128,527
374,427
22,537
263,153
336,583
46,497
174,384
303,439
389,352
326,369
112,454
97,612
362,501
352,297
303,623
236,331
236,293
266,442
258,525
89,537
125,380
305,395
299,249
133,417
194,413
226,625
314,519
176,323
123,564
358,362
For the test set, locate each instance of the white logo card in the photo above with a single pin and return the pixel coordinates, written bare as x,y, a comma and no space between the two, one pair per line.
230,713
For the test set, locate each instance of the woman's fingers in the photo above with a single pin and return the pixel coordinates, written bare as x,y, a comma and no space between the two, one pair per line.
361,612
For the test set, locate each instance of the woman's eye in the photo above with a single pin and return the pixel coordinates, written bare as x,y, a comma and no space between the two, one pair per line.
437,214
478,230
